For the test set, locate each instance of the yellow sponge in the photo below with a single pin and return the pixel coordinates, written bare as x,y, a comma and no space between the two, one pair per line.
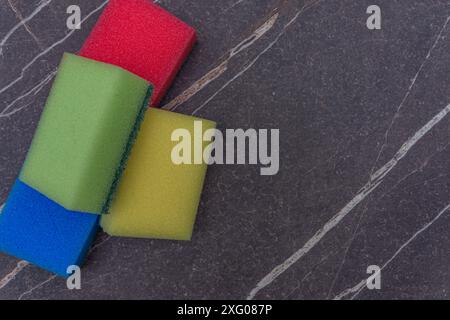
157,198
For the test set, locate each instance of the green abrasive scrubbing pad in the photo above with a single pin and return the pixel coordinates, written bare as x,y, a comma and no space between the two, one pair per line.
84,132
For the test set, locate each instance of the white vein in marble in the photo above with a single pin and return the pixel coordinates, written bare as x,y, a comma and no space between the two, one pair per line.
23,22
12,275
255,60
50,48
356,290
223,66
367,189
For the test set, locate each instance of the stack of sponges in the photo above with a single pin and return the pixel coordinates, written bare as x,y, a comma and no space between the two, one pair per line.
98,154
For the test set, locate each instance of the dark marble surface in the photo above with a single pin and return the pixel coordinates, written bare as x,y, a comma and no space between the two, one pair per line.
365,160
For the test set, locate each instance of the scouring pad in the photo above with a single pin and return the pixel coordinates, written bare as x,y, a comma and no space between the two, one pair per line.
38,230
82,138
157,198
142,38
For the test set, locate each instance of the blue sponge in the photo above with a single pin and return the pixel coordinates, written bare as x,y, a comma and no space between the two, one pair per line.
38,230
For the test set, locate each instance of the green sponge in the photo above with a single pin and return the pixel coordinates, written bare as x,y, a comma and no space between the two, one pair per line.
82,137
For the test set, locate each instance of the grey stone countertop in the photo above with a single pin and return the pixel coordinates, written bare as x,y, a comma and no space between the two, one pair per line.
364,173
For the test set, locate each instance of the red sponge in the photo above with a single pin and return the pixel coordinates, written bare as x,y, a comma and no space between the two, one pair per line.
142,38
